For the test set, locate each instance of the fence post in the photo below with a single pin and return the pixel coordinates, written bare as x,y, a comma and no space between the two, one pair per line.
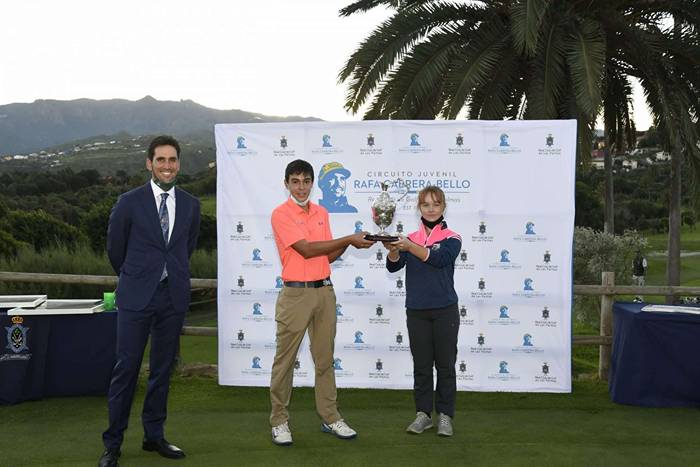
606,326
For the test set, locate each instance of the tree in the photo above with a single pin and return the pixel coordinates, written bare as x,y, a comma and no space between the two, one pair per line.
650,139
538,59
42,230
94,224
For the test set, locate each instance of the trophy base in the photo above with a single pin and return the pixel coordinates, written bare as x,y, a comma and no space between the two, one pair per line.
381,238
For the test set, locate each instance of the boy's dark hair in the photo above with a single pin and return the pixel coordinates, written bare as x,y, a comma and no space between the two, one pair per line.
162,140
298,167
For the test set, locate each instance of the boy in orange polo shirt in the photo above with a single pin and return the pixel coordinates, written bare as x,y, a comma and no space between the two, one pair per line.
307,301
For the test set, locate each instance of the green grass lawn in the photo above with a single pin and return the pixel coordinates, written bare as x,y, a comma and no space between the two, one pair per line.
690,265
690,240
226,426
690,271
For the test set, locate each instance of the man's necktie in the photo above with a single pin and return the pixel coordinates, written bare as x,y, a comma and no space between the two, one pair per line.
164,218
164,226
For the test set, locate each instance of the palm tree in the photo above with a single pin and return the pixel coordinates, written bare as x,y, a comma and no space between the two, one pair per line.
539,59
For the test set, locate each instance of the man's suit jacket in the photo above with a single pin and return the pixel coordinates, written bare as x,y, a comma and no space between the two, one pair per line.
137,250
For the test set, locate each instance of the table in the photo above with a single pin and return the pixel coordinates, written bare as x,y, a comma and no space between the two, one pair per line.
56,355
655,357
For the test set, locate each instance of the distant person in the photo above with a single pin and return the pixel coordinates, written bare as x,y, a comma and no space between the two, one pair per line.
639,272
639,269
152,233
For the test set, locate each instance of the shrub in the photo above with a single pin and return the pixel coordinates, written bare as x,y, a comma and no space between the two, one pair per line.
595,252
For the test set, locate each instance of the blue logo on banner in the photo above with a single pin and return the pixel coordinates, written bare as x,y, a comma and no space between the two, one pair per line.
279,282
332,180
503,312
240,143
257,308
504,256
503,367
527,340
358,226
256,362
337,364
530,228
414,139
338,311
527,284
359,282
358,337
256,254
504,140
326,141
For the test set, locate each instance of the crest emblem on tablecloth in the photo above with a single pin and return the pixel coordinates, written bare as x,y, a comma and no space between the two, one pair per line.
17,335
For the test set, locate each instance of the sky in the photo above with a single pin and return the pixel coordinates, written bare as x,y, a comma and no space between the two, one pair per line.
275,57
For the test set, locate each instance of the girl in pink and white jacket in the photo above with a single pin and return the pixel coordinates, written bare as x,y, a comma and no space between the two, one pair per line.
432,315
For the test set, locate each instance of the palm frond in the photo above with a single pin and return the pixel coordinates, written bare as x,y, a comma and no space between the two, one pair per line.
474,65
586,59
423,70
369,65
499,96
526,21
548,75
362,6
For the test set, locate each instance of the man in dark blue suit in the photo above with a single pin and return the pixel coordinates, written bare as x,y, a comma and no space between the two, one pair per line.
152,233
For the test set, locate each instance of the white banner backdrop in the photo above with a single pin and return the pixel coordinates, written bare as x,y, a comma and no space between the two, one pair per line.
510,194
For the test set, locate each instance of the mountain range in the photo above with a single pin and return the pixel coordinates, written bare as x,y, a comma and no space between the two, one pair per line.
26,128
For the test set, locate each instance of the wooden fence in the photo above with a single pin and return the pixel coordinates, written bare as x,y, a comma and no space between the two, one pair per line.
607,291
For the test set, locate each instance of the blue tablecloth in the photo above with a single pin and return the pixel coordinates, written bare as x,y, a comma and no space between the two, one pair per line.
56,355
655,357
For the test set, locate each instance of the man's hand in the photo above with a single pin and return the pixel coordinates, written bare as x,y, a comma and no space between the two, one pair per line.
358,240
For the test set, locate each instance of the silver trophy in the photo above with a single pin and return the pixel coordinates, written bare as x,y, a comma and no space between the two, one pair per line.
383,210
